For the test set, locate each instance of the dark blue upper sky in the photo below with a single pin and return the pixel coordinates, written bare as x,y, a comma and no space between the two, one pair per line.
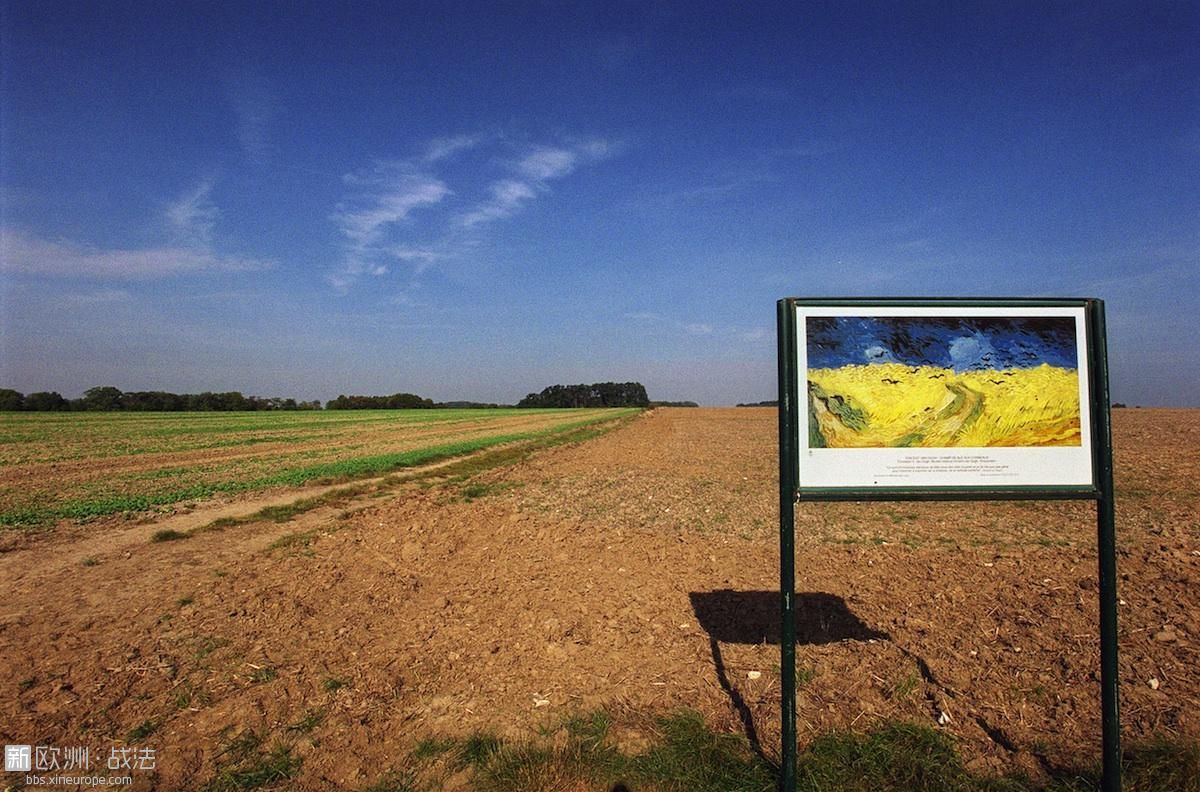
476,200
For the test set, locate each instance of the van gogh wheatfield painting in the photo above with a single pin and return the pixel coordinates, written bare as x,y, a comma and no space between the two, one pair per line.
942,381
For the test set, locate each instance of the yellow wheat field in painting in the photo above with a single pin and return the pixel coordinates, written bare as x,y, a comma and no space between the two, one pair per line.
893,405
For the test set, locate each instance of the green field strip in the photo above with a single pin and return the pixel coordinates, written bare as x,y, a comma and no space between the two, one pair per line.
358,467
73,436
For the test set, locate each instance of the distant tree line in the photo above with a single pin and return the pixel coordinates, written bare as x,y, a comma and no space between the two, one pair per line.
397,401
674,404
110,399
760,404
599,394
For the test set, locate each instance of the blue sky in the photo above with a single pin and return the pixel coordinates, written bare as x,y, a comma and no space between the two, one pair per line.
476,200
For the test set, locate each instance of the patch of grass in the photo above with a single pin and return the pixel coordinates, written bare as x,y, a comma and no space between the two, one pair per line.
334,684
898,756
26,684
208,645
478,490
394,781
478,749
589,730
311,720
90,561
185,697
184,601
1160,763
252,768
691,756
904,687
264,674
141,731
220,524
299,539
432,747
31,517
168,535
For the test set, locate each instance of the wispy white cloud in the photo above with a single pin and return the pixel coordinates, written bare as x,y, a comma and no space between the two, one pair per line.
389,193
445,147
255,106
507,196
193,216
364,221
534,170
545,163
381,224
25,254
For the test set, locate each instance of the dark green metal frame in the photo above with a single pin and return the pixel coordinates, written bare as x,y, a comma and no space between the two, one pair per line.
1101,490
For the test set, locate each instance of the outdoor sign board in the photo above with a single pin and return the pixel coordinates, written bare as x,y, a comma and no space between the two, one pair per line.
943,396
945,399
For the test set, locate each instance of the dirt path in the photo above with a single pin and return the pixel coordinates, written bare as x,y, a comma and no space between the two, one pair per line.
958,412
633,571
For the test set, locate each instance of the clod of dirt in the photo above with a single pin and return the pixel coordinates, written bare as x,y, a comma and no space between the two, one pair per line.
1166,635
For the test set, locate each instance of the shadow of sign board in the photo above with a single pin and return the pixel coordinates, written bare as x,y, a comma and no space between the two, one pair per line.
752,617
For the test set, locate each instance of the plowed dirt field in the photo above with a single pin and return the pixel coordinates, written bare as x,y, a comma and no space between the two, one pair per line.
633,571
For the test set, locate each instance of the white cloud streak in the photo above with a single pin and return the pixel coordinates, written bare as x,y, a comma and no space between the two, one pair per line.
539,166
444,148
255,107
379,224
544,164
391,193
364,225
507,197
193,216
24,254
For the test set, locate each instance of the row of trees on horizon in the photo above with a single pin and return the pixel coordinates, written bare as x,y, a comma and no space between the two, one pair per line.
109,399
598,394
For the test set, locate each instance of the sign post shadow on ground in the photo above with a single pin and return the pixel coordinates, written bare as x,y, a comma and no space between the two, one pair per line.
752,618
1009,401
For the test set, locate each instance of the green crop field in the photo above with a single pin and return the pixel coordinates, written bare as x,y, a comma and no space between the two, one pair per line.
56,466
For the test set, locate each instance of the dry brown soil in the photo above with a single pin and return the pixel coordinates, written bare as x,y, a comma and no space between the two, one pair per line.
635,572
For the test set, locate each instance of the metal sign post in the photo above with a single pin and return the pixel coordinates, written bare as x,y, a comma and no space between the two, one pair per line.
827,454
788,485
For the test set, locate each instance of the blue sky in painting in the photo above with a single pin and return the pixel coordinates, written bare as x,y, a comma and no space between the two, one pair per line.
975,344
475,200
